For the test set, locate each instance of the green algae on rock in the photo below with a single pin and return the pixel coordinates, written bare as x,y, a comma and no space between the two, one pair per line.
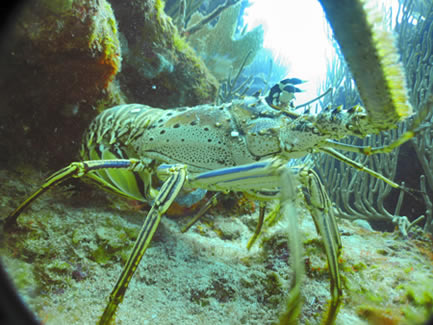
159,68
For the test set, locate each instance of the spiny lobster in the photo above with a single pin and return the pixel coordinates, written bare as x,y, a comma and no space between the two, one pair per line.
152,155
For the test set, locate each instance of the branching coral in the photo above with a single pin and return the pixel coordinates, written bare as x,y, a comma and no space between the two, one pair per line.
365,197
416,43
218,45
230,89
211,28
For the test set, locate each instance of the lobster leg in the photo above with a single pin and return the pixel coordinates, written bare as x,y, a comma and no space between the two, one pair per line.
167,194
259,226
320,207
360,167
212,202
288,208
76,170
277,181
169,190
209,204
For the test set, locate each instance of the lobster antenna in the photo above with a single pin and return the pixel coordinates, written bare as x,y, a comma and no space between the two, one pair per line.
315,99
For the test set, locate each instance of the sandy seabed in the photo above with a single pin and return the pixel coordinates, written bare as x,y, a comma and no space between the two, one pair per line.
70,246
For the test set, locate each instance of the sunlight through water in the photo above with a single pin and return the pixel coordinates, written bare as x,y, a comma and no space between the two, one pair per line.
297,34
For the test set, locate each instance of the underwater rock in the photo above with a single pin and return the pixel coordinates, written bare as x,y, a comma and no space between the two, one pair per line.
73,43
159,69
363,224
58,64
